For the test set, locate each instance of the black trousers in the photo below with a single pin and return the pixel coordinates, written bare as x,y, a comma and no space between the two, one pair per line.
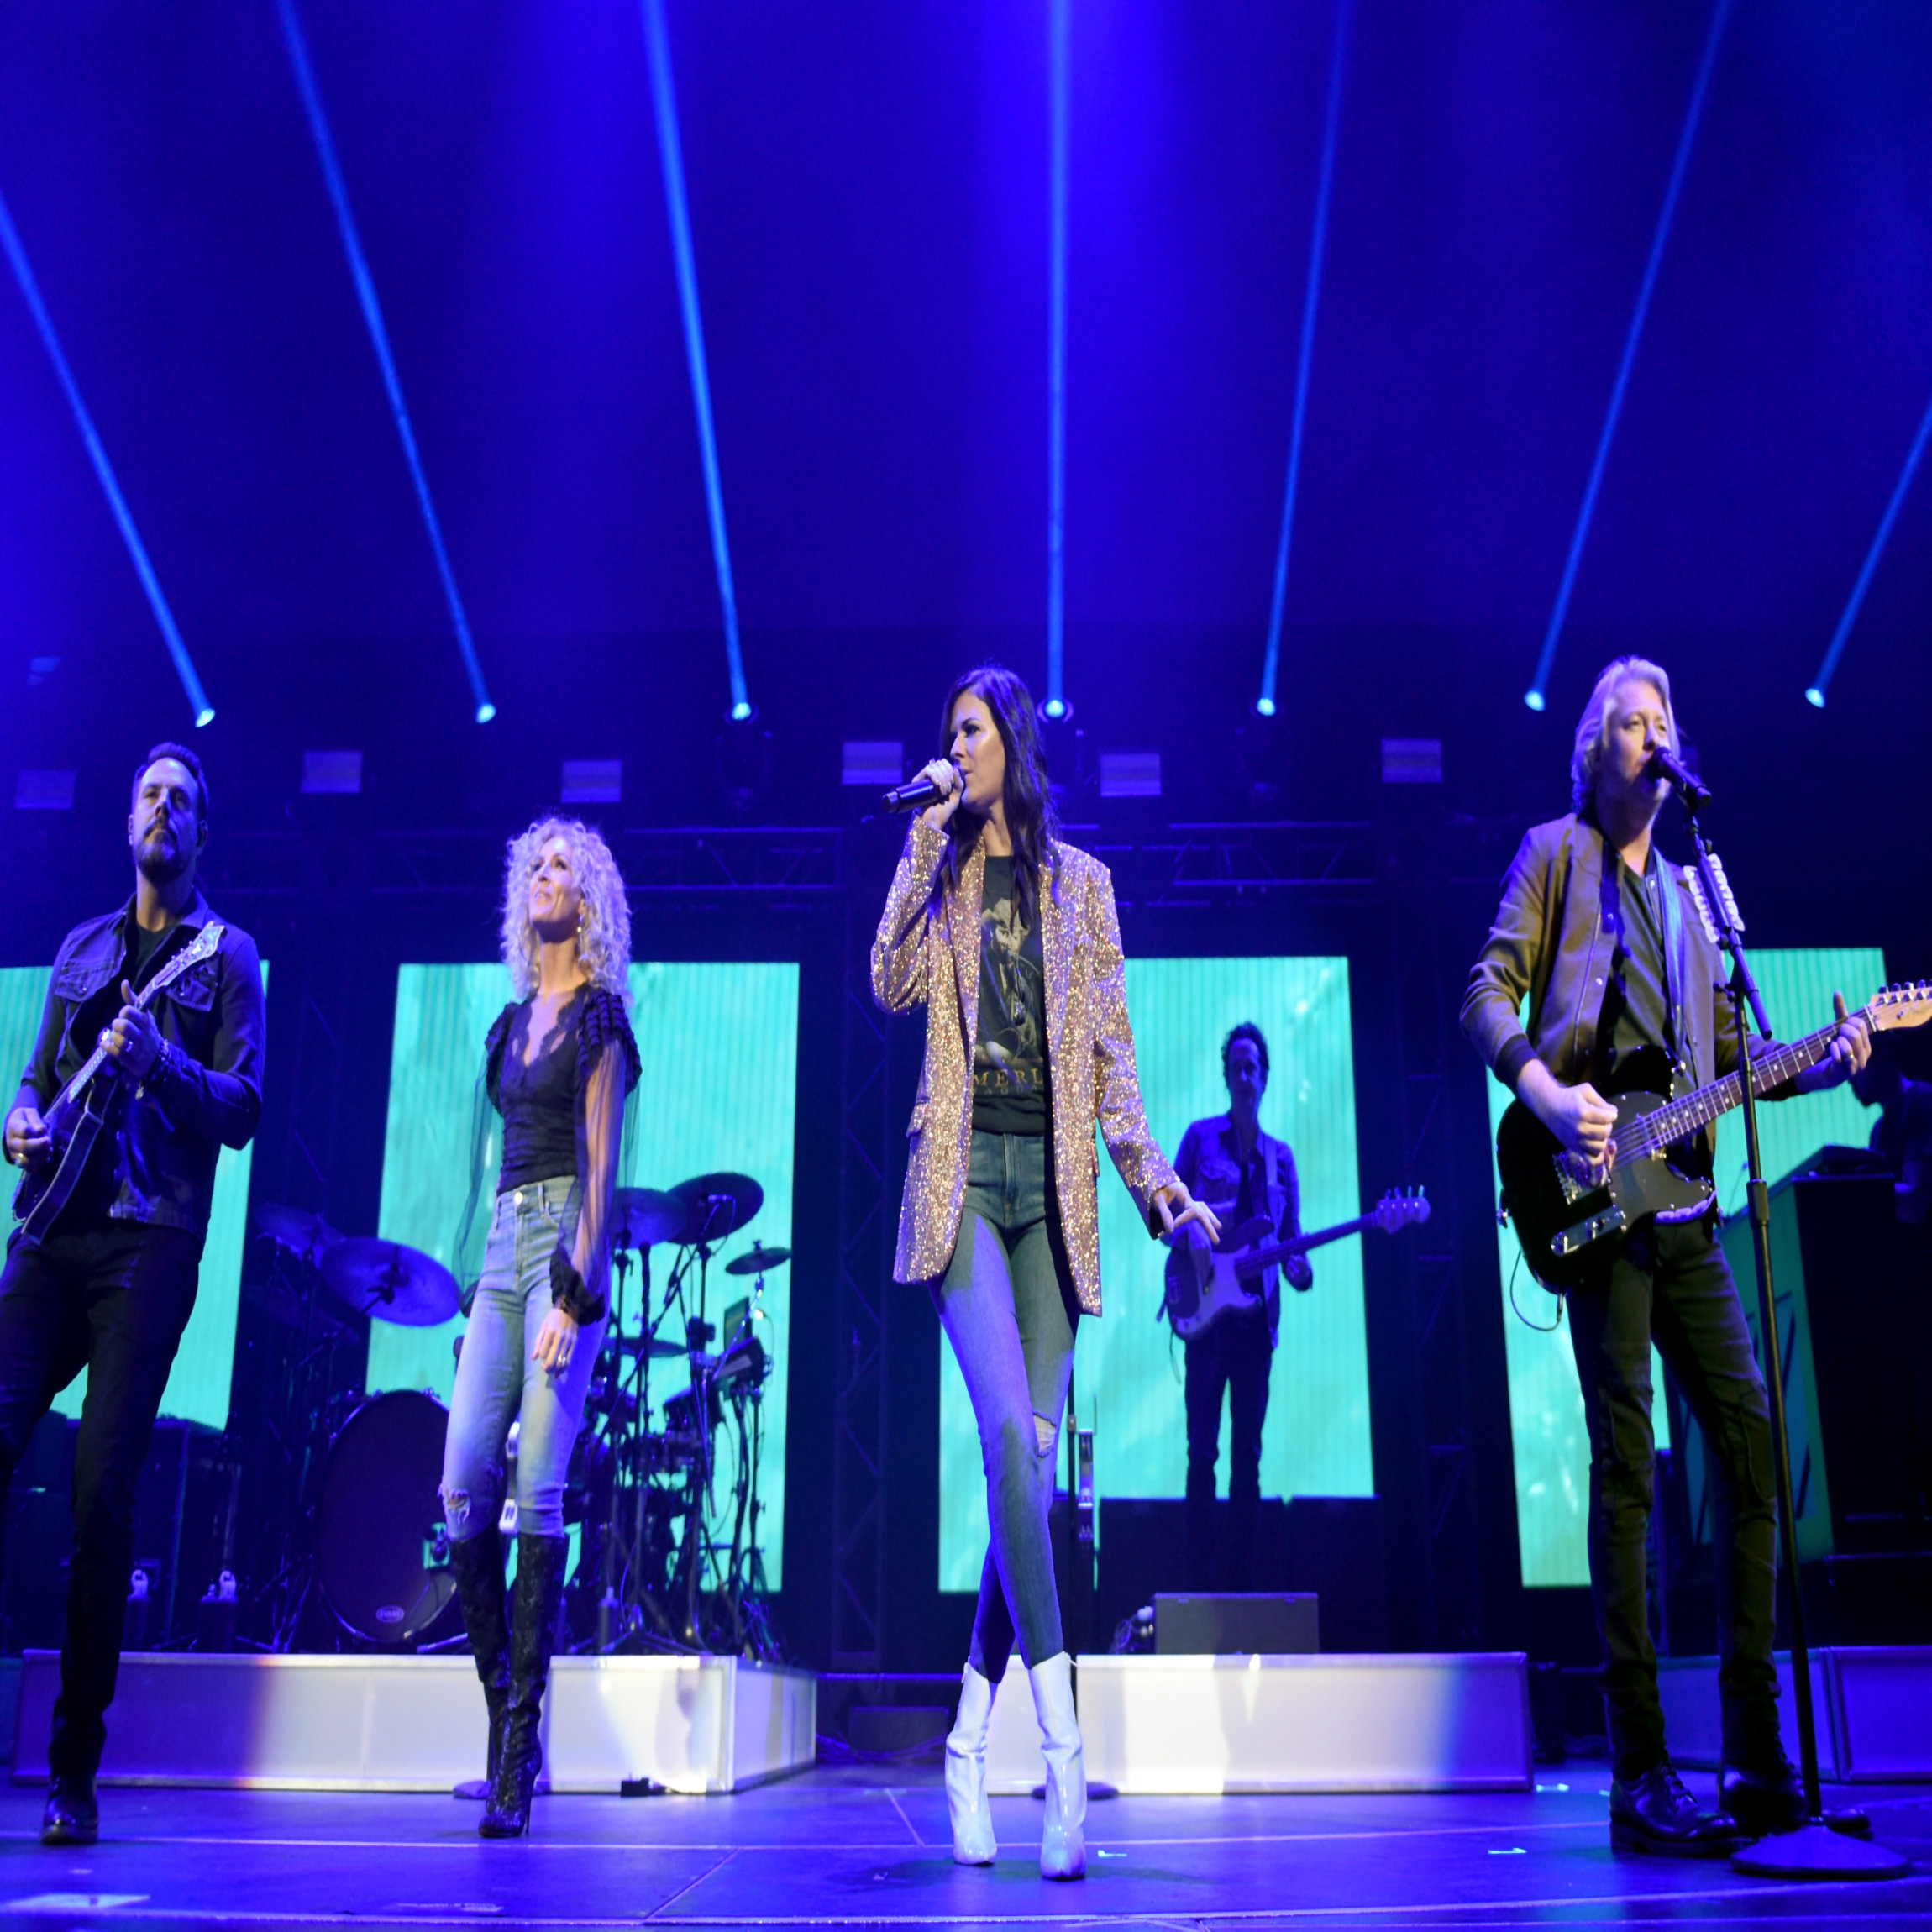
1673,1286
1234,1356
113,1300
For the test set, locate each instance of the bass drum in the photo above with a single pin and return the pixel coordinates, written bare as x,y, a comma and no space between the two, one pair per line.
379,1523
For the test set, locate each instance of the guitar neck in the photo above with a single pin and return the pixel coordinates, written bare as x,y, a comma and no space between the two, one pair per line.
1677,1120
203,949
1258,1258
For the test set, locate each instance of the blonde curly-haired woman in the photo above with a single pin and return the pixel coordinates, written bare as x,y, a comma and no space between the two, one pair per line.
558,1065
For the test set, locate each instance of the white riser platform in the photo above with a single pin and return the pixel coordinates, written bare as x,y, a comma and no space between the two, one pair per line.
695,1724
1874,1708
1262,1723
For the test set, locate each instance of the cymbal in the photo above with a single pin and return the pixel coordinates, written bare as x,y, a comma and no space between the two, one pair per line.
717,1205
642,1217
390,1282
654,1346
289,1227
756,1260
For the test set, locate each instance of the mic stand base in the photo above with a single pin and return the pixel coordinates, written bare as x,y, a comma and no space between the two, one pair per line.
1815,1851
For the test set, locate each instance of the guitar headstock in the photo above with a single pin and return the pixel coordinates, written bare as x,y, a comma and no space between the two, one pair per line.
203,946
1400,1207
1906,1005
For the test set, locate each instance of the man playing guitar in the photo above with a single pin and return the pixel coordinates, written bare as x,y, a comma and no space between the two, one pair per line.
1602,937
102,1269
1229,1163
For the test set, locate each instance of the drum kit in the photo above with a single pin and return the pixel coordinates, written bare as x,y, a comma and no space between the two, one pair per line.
362,1509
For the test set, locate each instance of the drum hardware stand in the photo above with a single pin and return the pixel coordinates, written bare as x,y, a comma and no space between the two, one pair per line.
1814,1850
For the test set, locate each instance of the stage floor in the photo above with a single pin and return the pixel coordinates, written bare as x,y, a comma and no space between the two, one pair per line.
860,1844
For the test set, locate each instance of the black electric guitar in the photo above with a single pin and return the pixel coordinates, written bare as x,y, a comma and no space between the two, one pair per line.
1567,1208
1203,1283
81,1108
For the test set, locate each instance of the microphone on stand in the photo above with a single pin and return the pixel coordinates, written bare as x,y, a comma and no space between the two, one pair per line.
1690,788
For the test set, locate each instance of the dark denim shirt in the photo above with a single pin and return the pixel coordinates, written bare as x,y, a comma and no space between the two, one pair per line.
204,1092
1211,1163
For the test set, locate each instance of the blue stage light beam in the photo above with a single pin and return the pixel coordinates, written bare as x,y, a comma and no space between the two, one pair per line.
202,711
1311,302
1815,690
1061,29
1539,684
670,151
331,176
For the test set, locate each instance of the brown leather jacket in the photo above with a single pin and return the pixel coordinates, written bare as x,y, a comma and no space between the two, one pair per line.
930,955
1548,943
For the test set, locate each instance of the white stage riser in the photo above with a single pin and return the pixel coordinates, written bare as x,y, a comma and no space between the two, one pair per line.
1207,1725
1874,1712
694,1724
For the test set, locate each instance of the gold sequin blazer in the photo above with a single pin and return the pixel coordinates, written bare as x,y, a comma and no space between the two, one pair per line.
927,954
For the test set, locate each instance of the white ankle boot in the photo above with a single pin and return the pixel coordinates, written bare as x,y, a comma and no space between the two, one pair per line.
966,1774
1063,1839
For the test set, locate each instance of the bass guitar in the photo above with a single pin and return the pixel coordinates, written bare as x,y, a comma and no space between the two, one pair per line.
1203,1283
1567,1208
81,1110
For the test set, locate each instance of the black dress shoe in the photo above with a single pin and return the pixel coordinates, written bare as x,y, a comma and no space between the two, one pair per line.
1654,1813
1765,1799
72,1816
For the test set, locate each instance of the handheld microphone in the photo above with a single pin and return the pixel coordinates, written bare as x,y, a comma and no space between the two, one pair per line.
1690,788
915,796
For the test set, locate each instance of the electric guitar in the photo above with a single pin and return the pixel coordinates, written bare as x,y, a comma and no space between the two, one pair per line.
81,1110
1566,1208
1203,1283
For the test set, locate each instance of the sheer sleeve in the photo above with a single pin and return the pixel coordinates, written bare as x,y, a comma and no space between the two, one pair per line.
486,1156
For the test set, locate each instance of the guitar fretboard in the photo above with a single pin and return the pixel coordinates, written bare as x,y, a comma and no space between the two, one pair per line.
1677,1120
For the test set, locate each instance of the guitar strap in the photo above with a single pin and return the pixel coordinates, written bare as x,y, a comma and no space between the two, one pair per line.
1272,1300
1676,967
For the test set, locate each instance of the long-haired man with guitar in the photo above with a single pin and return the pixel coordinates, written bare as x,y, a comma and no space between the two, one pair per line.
1604,939
148,1062
1243,1174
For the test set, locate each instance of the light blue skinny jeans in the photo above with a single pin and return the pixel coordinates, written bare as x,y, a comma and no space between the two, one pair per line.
496,1382
1007,1305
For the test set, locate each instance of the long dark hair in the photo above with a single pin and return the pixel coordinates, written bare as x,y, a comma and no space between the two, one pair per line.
1030,820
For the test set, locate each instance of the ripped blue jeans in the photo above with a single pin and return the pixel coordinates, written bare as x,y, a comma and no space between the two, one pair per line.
1006,1302
497,1383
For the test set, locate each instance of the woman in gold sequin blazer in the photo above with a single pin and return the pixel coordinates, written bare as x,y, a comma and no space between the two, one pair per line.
1010,940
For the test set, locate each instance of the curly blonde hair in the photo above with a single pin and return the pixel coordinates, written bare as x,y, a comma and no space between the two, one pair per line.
604,938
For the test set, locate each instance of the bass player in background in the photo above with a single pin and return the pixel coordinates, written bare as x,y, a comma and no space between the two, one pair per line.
1598,931
1241,1173
110,1286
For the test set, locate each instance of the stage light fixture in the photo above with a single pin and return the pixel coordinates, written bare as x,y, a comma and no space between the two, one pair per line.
1813,696
104,470
1822,683
1311,297
1533,699
1264,707
1057,709
359,273
677,206
1680,163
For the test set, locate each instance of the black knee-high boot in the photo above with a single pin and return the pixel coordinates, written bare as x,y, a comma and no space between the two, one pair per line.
539,1595
476,1562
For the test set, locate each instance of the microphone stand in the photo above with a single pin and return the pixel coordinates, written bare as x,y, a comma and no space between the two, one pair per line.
1814,1850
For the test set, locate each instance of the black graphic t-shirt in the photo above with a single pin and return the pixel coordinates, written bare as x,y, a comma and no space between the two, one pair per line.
1010,1053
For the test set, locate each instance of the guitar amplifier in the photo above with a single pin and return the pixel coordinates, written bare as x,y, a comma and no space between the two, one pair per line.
1284,1624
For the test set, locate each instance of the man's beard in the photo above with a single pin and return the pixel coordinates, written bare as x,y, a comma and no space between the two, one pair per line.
163,864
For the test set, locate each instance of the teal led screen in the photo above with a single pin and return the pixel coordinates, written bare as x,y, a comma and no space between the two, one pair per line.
719,1044
198,1384
1127,1365
1551,1447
